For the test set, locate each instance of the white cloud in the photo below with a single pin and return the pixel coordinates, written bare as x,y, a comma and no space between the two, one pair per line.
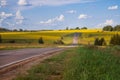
23,2
19,18
4,16
71,11
60,18
53,20
56,2
113,7
3,3
83,16
107,22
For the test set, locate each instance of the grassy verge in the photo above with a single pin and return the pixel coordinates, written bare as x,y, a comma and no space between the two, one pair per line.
85,63
12,46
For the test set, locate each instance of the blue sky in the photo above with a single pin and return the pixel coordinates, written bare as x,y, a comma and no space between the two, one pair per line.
58,14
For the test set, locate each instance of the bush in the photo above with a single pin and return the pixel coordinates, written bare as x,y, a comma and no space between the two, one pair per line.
58,42
12,41
115,39
41,40
100,42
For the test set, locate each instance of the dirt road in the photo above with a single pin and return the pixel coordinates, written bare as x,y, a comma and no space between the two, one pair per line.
75,39
13,56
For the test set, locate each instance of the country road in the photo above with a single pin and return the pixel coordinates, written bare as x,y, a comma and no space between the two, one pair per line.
10,57
75,39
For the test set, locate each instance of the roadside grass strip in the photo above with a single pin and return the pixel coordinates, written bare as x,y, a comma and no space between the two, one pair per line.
82,63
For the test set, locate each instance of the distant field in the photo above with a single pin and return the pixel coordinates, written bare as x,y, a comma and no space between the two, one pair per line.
85,36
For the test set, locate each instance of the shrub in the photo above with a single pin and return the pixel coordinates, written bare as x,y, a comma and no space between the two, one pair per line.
12,41
100,42
58,42
115,39
41,40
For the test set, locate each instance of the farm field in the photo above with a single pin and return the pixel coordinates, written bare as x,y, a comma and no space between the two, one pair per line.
83,63
27,39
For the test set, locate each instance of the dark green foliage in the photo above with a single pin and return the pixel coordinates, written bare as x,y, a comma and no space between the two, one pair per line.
108,28
117,28
96,42
84,28
77,28
4,29
21,30
100,42
0,39
12,41
58,42
67,28
41,40
115,39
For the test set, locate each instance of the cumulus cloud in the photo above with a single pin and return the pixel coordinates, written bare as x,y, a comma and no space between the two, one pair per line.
107,22
4,16
23,2
71,11
83,16
113,7
53,20
19,18
3,3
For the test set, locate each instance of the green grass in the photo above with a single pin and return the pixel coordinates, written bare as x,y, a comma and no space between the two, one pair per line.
83,63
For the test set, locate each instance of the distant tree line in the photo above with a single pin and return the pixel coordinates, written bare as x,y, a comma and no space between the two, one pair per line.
4,29
110,28
77,28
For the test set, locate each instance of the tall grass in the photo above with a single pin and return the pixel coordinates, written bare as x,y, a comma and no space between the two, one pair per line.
92,64
84,63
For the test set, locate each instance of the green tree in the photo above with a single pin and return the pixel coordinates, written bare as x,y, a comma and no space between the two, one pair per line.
108,28
20,30
84,28
117,28
67,28
77,28
41,40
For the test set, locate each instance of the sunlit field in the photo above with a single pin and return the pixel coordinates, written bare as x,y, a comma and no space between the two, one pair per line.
30,39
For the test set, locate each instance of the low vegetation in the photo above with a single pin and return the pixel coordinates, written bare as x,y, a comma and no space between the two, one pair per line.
83,63
115,39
